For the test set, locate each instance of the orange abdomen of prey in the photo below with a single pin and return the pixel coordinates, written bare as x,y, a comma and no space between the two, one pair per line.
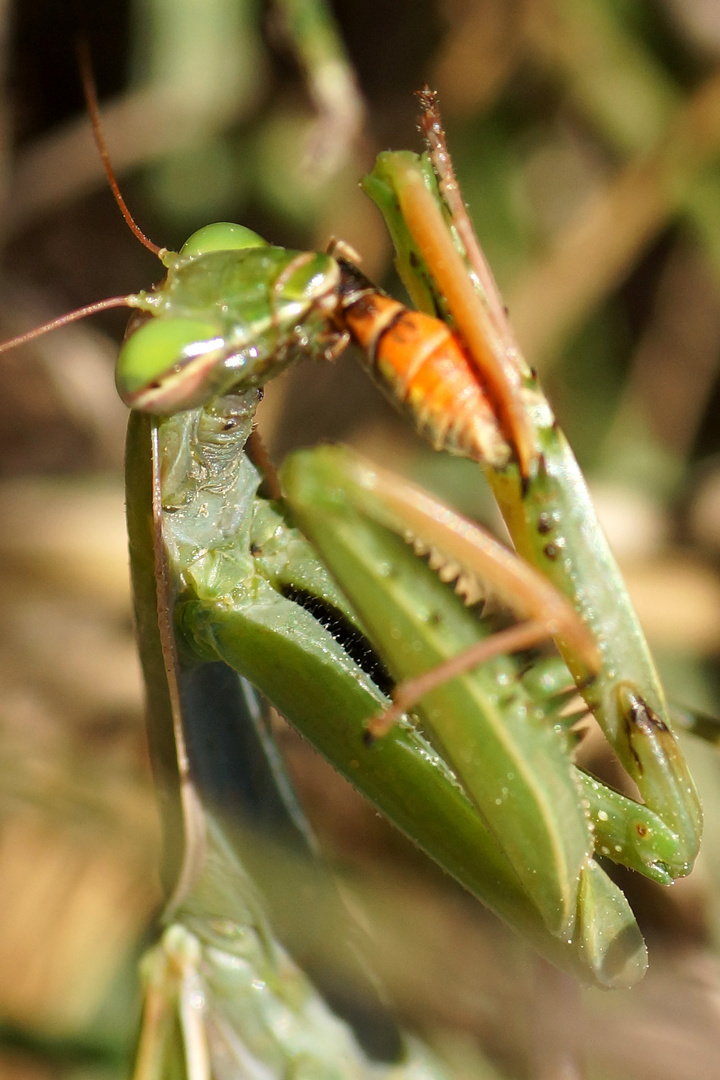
422,364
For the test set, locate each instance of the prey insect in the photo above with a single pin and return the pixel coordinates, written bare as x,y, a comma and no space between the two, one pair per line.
486,783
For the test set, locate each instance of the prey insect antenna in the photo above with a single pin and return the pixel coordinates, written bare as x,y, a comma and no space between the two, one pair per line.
91,101
63,320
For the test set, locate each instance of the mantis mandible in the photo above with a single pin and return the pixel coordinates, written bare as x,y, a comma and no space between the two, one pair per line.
493,795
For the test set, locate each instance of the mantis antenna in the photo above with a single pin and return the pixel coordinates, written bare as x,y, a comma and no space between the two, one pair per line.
88,83
91,101
63,320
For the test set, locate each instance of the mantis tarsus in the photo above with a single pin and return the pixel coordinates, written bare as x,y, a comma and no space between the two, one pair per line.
488,787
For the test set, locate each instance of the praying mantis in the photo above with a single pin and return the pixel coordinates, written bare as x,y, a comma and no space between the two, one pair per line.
484,782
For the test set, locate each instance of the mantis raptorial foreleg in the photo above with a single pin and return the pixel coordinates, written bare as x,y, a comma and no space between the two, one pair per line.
541,491
233,568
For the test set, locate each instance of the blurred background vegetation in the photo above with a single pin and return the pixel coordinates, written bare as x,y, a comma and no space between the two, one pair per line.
586,134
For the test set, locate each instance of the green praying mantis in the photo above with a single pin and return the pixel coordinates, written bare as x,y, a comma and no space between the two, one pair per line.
474,764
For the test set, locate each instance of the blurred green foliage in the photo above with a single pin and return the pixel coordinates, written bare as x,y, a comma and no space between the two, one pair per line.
586,134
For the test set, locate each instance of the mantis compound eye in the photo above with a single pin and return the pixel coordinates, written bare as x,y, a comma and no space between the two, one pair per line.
164,366
221,236
310,278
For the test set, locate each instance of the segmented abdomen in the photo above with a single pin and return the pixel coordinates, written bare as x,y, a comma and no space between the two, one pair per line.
422,364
